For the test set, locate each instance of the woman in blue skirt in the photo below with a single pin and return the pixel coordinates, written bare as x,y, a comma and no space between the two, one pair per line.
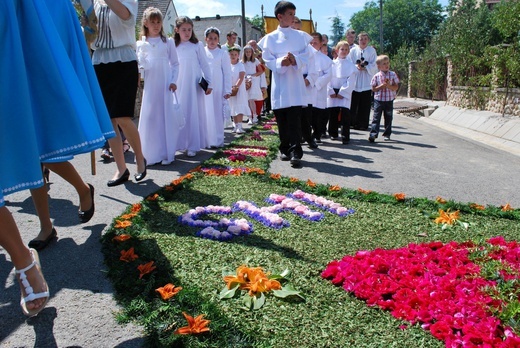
50,107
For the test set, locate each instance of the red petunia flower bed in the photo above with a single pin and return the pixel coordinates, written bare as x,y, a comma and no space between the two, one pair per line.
436,285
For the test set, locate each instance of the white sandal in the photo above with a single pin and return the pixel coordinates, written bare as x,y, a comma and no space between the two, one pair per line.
31,296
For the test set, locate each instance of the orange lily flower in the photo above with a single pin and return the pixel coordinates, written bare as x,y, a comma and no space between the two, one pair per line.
145,268
506,207
169,187
128,255
334,188
136,208
195,325
400,196
440,200
310,183
476,206
235,172
168,291
153,197
365,192
123,223
445,217
293,179
239,278
188,176
128,216
275,176
122,237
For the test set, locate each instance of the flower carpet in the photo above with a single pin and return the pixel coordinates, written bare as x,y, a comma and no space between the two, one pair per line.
230,255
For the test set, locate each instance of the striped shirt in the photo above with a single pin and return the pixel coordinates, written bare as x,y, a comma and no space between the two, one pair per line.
384,94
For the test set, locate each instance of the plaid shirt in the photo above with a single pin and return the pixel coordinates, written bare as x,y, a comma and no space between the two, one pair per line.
384,94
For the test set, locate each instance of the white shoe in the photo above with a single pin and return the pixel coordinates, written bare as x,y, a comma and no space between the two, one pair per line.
191,153
255,120
386,138
165,162
240,131
250,121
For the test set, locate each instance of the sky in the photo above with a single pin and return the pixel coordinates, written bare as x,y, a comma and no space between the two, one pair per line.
320,14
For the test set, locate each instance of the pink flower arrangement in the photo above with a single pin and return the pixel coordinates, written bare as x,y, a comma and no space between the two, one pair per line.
237,158
322,203
247,151
435,285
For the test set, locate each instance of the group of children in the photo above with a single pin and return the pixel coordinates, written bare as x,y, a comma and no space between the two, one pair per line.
177,112
308,90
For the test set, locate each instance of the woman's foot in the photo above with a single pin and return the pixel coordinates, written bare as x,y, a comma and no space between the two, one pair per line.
33,287
43,239
86,215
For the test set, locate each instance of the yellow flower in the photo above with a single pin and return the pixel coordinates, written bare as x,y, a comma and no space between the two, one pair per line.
476,206
311,183
445,217
168,291
195,325
122,237
440,200
145,268
334,188
506,207
400,196
122,224
128,255
275,176
365,192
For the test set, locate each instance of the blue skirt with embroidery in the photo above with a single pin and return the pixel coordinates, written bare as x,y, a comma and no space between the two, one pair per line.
51,106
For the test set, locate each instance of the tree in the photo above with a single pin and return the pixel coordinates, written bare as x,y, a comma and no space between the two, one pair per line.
405,22
338,29
258,22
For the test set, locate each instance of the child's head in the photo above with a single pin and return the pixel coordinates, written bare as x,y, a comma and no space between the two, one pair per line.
212,36
285,11
297,23
383,62
363,39
152,23
316,41
184,30
342,49
234,53
248,54
324,49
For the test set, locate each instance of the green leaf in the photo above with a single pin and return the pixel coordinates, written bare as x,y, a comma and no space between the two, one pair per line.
248,301
286,291
258,301
228,293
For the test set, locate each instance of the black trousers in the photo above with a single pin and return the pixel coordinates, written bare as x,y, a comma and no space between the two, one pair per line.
344,114
289,130
360,109
320,118
306,123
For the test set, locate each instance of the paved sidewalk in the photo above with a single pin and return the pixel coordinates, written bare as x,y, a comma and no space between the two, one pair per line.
421,160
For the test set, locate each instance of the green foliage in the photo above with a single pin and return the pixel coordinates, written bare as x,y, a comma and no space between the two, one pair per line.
405,23
506,19
257,21
338,29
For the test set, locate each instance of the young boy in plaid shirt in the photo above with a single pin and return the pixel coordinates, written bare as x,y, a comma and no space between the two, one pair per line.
384,85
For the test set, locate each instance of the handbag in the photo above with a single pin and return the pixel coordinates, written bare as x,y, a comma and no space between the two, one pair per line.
179,121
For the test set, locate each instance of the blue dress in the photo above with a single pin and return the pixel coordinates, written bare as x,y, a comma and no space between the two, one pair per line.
51,106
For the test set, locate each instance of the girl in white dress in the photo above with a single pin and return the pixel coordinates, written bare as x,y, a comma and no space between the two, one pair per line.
252,74
158,126
217,101
193,65
237,103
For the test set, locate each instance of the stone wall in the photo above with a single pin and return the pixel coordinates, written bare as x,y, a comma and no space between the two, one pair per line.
497,100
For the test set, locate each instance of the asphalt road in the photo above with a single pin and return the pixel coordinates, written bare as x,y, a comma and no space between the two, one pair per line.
420,160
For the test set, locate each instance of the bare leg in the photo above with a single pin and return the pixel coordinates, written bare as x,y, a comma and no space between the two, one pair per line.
41,204
67,171
132,135
11,241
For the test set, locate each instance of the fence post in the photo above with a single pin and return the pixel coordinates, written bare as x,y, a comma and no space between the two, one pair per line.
410,73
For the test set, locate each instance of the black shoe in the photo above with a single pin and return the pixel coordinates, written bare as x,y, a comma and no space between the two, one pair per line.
141,176
122,179
318,140
86,215
284,157
334,138
345,141
371,139
41,244
295,162
313,145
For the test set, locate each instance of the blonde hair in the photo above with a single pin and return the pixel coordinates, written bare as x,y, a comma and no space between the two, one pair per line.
342,43
150,14
382,58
